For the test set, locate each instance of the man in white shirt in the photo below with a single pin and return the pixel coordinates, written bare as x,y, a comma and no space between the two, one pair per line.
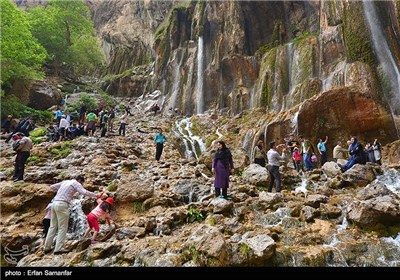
60,212
273,160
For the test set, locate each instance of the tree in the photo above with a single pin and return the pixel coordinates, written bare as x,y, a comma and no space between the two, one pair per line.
21,54
66,30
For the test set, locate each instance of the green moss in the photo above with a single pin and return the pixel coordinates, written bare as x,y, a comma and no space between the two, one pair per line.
138,207
244,250
63,151
268,65
356,34
112,187
35,159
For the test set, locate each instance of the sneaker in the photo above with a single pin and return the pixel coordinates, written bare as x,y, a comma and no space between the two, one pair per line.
46,251
62,251
221,196
227,197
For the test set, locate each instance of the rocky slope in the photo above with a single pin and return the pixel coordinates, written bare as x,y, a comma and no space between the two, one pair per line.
167,215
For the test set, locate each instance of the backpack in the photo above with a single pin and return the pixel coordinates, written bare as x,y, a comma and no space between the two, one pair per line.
16,144
313,158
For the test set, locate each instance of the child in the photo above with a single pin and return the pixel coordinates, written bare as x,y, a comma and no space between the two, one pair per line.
103,209
46,221
296,158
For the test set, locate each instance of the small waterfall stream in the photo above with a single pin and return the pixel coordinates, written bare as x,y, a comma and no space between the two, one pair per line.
78,221
193,144
200,78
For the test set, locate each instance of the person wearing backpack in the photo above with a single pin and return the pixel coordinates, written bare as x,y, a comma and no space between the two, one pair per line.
22,146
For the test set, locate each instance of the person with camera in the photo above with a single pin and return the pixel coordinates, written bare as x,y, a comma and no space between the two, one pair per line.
273,159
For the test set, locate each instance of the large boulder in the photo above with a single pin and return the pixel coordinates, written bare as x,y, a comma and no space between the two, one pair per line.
39,95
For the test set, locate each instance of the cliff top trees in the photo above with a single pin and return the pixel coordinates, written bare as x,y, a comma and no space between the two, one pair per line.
65,29
21,54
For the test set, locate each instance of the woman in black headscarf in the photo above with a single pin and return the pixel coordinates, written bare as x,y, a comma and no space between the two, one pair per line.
222,167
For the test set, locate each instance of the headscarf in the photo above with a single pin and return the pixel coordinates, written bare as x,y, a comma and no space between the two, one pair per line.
355,144
223,154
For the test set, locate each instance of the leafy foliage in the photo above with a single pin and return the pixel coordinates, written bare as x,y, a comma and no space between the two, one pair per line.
112,187
62,151
194,215
10,105
66,31
21,54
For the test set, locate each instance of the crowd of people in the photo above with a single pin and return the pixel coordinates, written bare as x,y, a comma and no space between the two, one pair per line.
304,156
301,153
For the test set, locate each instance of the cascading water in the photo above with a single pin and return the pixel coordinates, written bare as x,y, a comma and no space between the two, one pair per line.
385,56
199,82
391,179
194,145
177,79
246,143
78,220
303,186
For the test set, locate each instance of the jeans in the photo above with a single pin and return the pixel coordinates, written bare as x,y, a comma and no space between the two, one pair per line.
275,177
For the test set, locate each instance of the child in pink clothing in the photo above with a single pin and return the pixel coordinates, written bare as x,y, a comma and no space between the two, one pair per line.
296,158
103,209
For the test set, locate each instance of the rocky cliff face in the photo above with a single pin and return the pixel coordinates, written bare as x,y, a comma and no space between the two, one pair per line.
126,29
212,55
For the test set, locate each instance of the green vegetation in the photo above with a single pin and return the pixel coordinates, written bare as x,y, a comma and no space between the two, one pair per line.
244,250
212,222
356,34
63,151
21,54
65,30
137,207
269,64
35,160
38,135
85,98
193,254
194,215
11,105
112,187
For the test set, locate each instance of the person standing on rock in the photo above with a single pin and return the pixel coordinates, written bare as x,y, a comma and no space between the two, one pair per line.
259,154
22,146
321,146
222,167
159,140
60,212
122,126
273,160
376,146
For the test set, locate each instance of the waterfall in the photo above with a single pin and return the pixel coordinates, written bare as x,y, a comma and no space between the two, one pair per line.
251,102
246,143
200,77
391,179
289,52
176,81
303,186
265,135
194,145
78,220
385,56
